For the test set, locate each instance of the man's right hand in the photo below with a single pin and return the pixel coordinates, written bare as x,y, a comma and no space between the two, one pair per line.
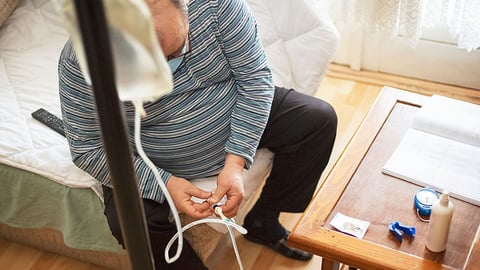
182,191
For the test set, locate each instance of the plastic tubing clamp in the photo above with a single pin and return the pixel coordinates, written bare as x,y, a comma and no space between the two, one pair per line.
398,230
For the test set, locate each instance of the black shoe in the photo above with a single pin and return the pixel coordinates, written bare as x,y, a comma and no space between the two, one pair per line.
281,246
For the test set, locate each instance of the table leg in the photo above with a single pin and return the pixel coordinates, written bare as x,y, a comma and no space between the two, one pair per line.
330,264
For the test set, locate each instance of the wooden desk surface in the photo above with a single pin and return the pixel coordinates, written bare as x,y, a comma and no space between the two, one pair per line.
356,187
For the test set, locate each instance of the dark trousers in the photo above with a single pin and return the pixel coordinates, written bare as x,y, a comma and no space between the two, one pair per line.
300,132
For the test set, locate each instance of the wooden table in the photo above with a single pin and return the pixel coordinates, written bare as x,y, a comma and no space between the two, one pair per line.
356,187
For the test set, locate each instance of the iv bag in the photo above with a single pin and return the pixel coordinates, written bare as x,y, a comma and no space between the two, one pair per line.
141,72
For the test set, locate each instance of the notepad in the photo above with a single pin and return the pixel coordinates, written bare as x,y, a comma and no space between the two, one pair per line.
442,149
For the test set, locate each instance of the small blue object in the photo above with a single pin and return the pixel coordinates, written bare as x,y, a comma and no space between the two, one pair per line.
398,230
424,199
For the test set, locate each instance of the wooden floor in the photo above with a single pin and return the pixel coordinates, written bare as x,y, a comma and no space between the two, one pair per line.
351,93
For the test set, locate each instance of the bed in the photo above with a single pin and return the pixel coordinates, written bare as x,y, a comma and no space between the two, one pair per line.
47,202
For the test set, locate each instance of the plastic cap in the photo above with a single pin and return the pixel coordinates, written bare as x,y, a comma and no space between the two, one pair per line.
444,198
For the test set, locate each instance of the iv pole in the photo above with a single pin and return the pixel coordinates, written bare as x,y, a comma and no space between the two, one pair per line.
95,38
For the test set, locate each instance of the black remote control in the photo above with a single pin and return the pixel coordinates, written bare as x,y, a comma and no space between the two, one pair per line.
49,120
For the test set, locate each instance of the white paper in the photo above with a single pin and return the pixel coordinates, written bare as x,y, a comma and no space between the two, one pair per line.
349,225
450,118
441,149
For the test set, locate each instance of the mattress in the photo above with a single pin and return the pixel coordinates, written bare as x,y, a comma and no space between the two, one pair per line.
41,187
30,43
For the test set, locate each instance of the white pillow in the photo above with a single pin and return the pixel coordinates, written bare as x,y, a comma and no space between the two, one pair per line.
280,65
310,54
265,21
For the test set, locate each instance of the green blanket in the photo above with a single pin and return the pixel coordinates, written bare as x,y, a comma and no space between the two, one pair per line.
28,200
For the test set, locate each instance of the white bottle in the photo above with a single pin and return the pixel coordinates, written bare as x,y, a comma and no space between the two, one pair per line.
440,219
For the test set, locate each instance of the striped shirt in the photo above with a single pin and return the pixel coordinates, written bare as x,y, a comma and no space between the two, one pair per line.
220,103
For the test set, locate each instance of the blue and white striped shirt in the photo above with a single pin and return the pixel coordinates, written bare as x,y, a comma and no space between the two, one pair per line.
220,103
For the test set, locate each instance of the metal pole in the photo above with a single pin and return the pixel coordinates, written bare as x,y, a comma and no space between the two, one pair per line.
92,22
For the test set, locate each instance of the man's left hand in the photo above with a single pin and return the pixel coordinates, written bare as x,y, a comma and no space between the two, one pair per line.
230,183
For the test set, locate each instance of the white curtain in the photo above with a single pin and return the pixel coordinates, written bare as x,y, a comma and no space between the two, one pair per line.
407,18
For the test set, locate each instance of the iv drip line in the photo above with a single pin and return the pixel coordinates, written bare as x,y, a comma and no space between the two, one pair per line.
229,223
138,111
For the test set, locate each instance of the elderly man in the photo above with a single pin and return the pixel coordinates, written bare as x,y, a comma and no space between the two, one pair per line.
223,107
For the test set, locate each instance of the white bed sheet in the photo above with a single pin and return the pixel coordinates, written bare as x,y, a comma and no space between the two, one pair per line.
30,44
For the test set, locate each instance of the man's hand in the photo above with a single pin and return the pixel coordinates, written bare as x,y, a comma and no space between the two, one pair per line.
230,183
182,191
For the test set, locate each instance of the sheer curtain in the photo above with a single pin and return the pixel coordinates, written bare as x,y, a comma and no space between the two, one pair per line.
408,18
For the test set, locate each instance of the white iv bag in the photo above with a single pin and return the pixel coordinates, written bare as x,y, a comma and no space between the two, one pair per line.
141,72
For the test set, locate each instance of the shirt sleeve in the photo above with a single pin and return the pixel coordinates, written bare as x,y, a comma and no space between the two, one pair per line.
84,133
246,57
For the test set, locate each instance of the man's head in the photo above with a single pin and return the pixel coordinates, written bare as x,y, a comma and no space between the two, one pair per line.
170,19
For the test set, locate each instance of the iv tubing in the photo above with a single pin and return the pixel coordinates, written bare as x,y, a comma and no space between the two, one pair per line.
212,220
139,111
